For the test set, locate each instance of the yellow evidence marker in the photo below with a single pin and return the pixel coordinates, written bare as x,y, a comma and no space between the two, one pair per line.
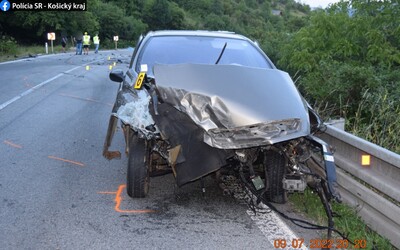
139,80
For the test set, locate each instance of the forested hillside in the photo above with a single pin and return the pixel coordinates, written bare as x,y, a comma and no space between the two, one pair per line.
345,60
348,60
130,18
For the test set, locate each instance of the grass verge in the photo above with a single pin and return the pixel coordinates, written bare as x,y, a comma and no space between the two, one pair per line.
26,51
22,52
347,221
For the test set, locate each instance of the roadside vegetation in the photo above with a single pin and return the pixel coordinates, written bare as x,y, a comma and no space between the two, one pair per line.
347,62
346,221
11,50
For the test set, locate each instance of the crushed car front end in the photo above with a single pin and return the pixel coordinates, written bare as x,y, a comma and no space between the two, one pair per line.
197,114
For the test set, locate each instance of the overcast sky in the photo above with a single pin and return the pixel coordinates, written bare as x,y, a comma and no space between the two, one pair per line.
318,3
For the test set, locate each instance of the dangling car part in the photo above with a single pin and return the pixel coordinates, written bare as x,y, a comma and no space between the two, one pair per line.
193,102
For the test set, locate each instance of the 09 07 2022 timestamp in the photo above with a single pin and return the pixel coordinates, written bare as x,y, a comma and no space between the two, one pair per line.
299,243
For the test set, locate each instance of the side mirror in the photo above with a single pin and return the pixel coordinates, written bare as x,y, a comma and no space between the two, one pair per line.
117,75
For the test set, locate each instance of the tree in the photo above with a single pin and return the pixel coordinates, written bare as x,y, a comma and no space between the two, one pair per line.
159,15
113,22
29,27
162,14
341,55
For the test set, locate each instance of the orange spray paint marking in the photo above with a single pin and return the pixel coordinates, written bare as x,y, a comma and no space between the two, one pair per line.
26,83
118,200
12,144
65,160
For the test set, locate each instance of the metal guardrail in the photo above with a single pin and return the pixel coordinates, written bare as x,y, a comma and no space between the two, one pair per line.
377,201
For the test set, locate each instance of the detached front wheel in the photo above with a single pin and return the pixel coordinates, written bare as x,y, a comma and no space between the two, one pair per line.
138,170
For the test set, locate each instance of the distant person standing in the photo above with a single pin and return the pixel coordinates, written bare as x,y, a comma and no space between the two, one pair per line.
64,41
96,42
78,39
86,43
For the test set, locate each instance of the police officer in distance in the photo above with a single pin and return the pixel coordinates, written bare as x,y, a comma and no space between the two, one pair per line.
86,44
96,42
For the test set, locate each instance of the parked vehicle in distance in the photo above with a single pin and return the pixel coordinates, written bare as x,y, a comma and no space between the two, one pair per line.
196,102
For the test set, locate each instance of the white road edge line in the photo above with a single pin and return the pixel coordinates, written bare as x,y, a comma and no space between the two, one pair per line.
271,224
274,228
2,106
28,58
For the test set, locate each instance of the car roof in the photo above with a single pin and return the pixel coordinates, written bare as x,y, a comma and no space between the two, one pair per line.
223,34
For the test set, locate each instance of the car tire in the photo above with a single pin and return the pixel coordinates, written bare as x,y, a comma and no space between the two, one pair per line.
275,171
138,178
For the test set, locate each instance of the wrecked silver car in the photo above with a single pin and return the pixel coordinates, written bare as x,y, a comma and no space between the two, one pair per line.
199,102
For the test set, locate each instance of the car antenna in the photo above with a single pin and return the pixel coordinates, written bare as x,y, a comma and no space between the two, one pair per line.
222,52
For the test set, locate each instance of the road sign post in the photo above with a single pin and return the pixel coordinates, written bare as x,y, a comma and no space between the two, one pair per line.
51,36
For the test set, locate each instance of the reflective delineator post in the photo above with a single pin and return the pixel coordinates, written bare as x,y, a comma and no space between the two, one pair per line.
365,160
46,48
116,41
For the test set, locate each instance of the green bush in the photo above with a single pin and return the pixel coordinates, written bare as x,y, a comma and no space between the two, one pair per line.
8,46
339,85
378,118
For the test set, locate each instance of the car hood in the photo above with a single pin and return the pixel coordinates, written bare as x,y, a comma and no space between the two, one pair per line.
231,97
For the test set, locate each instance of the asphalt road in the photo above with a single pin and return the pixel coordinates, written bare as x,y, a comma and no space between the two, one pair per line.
58,192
